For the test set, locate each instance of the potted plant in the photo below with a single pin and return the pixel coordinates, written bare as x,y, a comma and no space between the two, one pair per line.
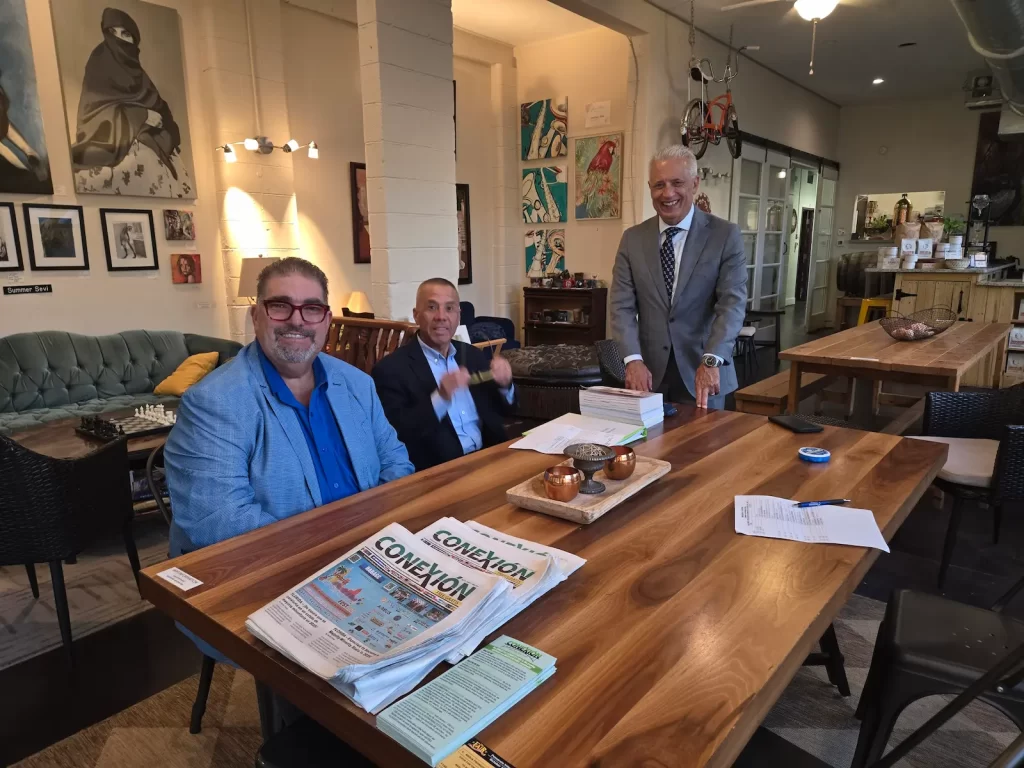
953,226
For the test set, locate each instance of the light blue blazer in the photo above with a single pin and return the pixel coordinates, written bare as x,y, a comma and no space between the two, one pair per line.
237,459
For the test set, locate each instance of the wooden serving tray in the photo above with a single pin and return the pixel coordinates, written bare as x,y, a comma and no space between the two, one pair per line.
586,508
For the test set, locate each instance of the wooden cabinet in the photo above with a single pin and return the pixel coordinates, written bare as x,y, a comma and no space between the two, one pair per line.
945,289
564,315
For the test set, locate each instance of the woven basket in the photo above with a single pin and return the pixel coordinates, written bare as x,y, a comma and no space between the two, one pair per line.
923,324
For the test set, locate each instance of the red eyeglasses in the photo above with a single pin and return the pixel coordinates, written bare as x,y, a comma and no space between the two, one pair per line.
282,311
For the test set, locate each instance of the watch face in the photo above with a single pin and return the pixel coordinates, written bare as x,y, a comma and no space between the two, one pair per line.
710,361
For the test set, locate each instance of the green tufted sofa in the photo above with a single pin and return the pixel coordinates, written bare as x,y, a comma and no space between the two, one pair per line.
52,375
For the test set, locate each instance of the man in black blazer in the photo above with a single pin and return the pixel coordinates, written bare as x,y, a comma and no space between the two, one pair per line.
426,390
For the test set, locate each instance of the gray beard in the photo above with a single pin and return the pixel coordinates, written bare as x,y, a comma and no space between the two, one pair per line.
294,356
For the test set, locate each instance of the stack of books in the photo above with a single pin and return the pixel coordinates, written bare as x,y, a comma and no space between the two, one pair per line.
644,409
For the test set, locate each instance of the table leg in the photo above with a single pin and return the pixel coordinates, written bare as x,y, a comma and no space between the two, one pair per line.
1000,363
862,411
793,400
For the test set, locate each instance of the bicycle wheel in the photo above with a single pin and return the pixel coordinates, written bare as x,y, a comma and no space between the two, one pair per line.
693,132
732,132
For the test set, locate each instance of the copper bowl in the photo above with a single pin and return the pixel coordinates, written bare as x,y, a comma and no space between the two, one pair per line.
562,483
622,465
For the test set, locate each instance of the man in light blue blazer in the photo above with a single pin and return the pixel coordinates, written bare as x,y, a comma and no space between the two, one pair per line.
282,428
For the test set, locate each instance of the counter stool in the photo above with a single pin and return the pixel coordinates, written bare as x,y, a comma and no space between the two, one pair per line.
877,303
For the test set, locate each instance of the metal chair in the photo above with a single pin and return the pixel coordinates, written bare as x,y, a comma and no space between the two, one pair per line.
155,460
985,432
929,645
52,509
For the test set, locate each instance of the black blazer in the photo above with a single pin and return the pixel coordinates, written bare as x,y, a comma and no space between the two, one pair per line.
405,383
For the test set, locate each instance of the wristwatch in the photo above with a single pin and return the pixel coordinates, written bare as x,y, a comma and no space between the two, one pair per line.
711,361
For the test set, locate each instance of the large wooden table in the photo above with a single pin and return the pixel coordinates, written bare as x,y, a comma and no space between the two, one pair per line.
868,354
675,638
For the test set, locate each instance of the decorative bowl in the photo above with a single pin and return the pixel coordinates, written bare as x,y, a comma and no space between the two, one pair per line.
562,482
588,458
918,325
622,465
958,264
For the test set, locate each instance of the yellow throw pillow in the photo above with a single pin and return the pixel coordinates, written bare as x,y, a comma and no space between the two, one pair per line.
189,372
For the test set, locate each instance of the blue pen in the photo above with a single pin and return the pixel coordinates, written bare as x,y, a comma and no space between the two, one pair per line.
804,504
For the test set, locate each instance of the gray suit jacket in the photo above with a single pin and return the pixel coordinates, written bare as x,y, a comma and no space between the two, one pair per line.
708,307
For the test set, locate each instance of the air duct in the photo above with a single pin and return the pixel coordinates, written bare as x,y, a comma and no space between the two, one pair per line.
995,29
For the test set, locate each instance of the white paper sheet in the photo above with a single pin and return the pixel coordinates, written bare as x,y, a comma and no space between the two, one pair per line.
777,518
556,435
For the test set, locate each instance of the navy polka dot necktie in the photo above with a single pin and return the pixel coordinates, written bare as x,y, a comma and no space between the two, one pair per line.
668,258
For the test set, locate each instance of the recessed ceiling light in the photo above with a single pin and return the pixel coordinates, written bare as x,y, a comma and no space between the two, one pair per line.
877,81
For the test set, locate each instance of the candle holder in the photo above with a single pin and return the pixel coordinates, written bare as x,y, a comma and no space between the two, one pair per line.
588,458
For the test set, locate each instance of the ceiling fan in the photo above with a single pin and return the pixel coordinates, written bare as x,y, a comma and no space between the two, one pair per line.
809,10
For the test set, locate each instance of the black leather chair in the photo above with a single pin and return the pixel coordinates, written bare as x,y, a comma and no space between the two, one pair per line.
929,645
155,462
52,509
486,328
990,469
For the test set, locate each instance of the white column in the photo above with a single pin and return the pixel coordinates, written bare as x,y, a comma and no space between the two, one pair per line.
405,56
509,267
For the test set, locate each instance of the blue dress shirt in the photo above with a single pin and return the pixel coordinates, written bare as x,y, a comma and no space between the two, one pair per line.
327,449
461,408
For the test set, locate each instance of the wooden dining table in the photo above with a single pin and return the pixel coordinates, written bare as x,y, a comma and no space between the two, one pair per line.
867,354
673,640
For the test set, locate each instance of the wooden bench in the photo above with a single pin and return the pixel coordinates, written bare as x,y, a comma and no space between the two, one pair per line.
362,342
768,396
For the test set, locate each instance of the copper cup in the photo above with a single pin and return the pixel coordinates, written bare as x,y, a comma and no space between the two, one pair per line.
562,483
622,465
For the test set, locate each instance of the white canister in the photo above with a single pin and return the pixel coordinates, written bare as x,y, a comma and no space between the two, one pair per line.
956,241
941,249
909,261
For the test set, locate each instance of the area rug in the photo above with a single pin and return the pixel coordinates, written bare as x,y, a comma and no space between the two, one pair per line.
810,714
101,591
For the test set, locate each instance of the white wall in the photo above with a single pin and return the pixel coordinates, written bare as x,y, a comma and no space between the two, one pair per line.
586,67
97,301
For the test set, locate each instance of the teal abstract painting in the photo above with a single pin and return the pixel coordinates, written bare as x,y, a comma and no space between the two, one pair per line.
544,127
545,251
545,195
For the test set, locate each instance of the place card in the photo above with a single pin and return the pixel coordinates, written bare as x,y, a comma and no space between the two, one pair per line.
180,579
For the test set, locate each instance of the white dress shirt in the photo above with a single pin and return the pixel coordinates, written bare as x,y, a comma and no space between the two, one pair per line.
678,243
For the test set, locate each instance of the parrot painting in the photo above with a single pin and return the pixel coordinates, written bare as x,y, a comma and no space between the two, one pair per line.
598,177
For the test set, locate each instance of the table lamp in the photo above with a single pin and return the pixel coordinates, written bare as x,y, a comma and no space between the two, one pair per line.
251,269
357,306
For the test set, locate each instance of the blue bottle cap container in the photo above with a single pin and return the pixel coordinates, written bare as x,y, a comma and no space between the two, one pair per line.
814,455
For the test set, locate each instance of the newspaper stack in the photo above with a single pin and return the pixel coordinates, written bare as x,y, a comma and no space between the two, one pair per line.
644,409
376,621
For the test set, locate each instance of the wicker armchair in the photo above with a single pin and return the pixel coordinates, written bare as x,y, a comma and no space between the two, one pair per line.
52,509
985,431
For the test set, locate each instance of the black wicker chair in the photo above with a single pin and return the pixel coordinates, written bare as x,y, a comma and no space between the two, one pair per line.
52,509
155,460
609,357
996,415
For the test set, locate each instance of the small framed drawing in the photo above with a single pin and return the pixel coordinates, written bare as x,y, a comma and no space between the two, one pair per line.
10,247
179,225
129,238
360,217
56,237
465,241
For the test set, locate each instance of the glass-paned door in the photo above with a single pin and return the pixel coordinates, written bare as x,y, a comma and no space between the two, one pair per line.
776,200
821,254
748,208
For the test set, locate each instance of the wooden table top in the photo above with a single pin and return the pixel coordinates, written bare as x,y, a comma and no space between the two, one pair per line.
59,440
675,638
951,353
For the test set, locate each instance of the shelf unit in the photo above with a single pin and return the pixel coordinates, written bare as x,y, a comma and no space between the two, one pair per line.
590,301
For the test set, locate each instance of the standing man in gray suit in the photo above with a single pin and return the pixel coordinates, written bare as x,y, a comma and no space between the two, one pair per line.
679,291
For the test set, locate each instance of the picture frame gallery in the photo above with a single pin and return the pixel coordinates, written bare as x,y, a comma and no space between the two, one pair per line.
56,237
129,238
10,245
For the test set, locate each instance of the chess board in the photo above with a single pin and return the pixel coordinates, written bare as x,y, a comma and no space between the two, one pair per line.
133,426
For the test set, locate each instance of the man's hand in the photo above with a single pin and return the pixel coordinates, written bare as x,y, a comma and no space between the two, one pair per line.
154,119
707,382
453,382
638,376
502,372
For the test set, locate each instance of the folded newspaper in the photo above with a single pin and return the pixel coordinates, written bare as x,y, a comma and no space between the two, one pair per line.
376,621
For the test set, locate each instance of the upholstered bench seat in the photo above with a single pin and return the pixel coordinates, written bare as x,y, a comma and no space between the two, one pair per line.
548,378
970,461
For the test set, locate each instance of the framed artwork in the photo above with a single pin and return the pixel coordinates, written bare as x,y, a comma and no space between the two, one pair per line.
545,194
56,237
360,218
599,177
123,79
129,238
24,164
10,247
465,241
186,268
545,251
543,127
998,166
179,225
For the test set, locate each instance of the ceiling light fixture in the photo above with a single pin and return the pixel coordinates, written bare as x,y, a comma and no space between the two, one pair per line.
813,10
265,146
229,154
291,145
782,173
314,151
251,144
878,81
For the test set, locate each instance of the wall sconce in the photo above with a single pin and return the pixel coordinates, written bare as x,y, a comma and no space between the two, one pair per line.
265,146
